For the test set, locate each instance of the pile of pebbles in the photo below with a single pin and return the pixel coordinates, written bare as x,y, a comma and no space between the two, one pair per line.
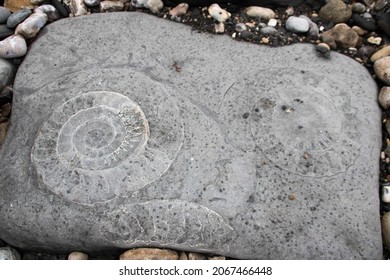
360,30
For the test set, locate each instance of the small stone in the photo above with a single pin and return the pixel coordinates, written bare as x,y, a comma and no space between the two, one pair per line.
358,8
179,10
16,5
313,32
382,69
380,4
260,12
18,17
4,15
323,48
268,30
7,72
219,28
343,35
385,194
77,256
60,7
384,23
272,22
216,258
297,25
217,13
374,40
5,110
8,253
13,46
366,51
36,2
335,11
3,135
6,97
384,97
78,8
183,256
289,11
30,27
363,23
153,5
240,27
385,51
149,254
50,11
111,6
360,31
246,35
91,3
196,257
265,40
367,16
5,31
386,229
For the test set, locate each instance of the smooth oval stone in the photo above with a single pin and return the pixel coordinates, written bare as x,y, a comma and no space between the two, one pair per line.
4,15
260,12
298,25
30,27
61,8
7,73
382,69
5,31
13,46
358,8
18,17
50,11
335,11
91,3
269,30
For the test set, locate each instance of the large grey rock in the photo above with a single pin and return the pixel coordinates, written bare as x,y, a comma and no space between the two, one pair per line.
120,139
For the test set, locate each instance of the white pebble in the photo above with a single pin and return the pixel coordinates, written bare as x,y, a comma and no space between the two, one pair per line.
219,14
30,27
272,22
260,12
13,46
153,5
386,194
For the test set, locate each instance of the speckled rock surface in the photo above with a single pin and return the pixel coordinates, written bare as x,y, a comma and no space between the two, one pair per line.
275,158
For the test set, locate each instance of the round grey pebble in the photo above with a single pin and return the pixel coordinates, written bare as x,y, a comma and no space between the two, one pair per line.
367,16
18,17
5,31
268,30
241,27
4,14
296,24
358,8
91,3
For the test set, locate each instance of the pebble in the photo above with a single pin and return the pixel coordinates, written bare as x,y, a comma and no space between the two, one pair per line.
219,28
260,12
366,51
297,24
358,8
219,14
5,110
265,40
336,11
272,22
196,257
179,10
149,254
323,49
382,69
384,97
60,7
183,256
374,40
313,32
216,258
4,15
78,8
5,31
385,51
111,6
289,11
386,229
360,31
240,27
363,23
9,253
386,194
30,27
153,5
3,135
268,30
246,35
367,16
380,4
7,72
50,11
91,3
18,17
384,23
36,2
5,97
77,256
13,46
342,35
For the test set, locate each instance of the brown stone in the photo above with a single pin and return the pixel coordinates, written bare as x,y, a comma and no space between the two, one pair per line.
382,69
5,110
196,257
77,256
343,35
183,256
3,131
336,11
386,229
16,5
149,254
385,51
217,258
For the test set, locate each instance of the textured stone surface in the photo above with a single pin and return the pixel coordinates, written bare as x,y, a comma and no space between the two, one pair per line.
155,146
149,254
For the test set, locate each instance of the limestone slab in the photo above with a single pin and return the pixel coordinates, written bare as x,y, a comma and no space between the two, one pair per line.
132,131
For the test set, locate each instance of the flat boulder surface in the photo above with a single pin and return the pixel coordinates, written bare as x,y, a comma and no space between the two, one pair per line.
132,131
